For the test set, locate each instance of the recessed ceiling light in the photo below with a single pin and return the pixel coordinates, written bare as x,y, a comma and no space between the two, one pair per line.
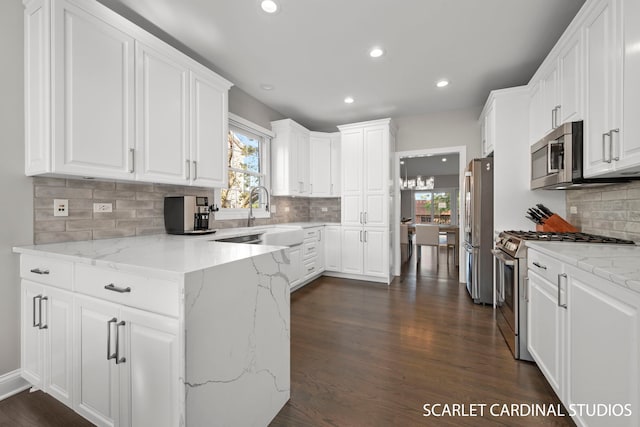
269,6
376,52
349,100
429,155
442,83
402,162
444,159
266,86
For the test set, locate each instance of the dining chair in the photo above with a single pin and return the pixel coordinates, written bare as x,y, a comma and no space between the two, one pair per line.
404,241
453,245
428,235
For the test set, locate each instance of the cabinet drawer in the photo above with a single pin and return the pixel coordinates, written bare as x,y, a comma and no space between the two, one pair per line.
310,250
311,234
544,265
48,271
160,296
310,269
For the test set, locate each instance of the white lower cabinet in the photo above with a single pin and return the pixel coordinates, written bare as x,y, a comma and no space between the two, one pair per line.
46,338
333,248
584,335
293,270
127,365
365,251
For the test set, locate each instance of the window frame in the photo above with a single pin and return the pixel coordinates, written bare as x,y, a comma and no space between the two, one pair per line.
453,202
265,136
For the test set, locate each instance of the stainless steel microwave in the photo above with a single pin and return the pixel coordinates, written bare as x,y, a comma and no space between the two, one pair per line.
556,161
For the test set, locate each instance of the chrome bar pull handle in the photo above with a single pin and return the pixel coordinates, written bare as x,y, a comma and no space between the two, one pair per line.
611,132
132,159
40,325
604,147
188,169
361,235
36,324
109,355
537,264
119,359
365,236
366,217
195,170
361,218
560,276
39,271
526,289
114,288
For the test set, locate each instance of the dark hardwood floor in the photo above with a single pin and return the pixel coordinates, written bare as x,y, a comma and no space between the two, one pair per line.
367,354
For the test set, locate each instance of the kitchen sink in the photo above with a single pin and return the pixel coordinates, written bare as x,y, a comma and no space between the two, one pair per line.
253,239
283,236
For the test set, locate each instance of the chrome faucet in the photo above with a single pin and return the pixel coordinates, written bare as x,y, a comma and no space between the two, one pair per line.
253,191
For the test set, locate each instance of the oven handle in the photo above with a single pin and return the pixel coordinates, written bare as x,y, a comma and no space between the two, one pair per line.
549,146
499,255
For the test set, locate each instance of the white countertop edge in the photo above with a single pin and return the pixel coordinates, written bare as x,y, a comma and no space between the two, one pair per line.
619,264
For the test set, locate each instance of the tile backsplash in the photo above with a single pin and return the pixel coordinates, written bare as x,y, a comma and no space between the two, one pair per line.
138,209
613,210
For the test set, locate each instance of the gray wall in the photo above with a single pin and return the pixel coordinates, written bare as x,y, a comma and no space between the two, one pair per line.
247,107
15,188
441,129
612,211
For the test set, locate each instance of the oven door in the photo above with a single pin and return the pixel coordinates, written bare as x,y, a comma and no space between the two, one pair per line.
507,276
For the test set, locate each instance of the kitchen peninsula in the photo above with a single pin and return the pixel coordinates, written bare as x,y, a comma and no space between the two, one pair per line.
158,330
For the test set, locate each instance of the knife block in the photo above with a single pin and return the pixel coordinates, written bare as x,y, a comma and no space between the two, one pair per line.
557,224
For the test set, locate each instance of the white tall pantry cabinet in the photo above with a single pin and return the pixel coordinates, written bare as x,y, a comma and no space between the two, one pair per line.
366,181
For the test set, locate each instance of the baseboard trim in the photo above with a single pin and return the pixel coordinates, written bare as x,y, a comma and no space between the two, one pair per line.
12,383
386,281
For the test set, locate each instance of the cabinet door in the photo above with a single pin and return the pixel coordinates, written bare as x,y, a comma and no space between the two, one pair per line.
96,380
209,130
376,167
629,136
320,166
150,391
545,329
94,95
549,100
320,261
32,348
333,249
489,129
570,81
352,241
598,104
376,258
536,119
352,173
336,165
603,350
162,131
302,170
294,269
59,345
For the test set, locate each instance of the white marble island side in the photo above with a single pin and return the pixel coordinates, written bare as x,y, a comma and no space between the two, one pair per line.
232,312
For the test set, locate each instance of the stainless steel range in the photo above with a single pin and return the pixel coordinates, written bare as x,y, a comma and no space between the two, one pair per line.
510,256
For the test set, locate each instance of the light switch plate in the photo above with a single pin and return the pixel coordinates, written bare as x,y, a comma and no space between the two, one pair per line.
103,207
325,209
60,207
273,208
573,209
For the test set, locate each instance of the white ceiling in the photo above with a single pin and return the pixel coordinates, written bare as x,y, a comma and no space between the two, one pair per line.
315,52
430,165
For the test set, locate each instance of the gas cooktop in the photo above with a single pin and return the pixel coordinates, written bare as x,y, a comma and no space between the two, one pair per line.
511,241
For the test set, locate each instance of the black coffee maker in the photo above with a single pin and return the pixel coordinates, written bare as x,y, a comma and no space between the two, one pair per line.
187,215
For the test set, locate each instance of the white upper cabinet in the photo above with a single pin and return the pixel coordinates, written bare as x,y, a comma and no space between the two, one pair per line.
488,129
569,107
106,99
93,97
162,83
289,149
324,164
209,129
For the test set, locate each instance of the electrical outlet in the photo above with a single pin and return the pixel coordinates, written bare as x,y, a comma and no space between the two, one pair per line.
325,209
273,209
103,207
573,209
286,208
60,207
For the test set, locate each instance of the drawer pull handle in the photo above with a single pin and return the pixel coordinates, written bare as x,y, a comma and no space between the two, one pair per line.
109,355
39,271
544,267
310,269
119,359
114,288
312,248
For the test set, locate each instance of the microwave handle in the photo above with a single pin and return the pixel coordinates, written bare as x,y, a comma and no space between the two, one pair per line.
549,146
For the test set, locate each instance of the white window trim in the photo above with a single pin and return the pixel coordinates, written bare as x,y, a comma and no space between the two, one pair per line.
265,154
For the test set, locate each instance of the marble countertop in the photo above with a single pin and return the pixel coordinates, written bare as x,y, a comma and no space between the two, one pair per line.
173,255
164,253
617,263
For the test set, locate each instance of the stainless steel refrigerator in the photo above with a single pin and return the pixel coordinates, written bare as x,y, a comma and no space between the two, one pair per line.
478,229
